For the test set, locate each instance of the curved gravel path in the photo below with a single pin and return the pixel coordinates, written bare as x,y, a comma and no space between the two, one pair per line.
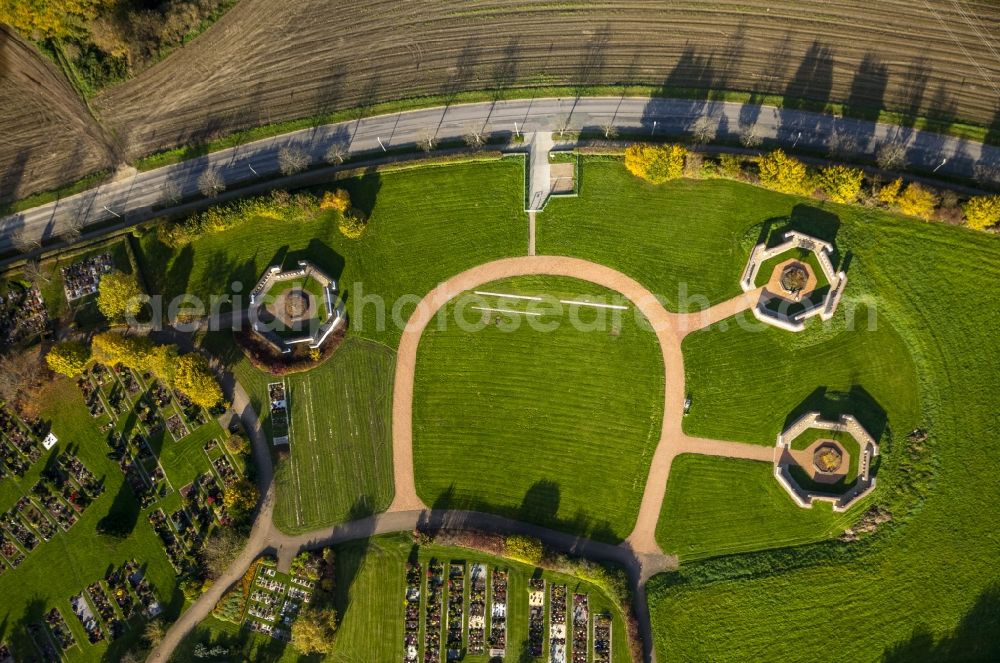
639,554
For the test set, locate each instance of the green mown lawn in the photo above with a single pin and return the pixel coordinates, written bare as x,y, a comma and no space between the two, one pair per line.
371,584
925,590
723,506
554,427
340,464
747,383
424,226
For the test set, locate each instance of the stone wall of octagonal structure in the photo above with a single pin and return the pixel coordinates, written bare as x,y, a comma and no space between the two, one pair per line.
863,486
305,270
794,240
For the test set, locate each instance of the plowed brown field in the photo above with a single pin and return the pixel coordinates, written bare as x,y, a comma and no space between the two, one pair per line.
267,61
47,137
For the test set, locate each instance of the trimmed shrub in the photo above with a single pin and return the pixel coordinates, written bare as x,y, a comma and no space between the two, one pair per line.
656,164
981,212
784,174
841,183
917,201
69,358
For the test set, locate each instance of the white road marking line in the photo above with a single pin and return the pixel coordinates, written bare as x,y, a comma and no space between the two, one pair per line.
501,294
503,310
617,307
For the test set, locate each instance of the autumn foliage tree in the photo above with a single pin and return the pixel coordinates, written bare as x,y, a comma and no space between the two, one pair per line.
841,183
241,496
783,173
45,19
314,629
655,163
982,212
194,377
339,200
118,296
69,358
917,201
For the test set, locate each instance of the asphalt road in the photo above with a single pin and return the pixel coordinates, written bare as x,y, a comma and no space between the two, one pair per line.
132,199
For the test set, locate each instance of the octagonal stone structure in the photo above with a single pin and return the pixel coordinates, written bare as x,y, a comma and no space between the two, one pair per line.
304,315
788,308
809,461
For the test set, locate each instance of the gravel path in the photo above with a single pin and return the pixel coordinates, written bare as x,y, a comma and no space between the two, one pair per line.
639,554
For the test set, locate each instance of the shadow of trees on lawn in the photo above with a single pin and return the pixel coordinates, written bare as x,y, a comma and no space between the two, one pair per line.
975,638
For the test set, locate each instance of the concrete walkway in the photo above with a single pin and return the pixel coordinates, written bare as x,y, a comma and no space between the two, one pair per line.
539,171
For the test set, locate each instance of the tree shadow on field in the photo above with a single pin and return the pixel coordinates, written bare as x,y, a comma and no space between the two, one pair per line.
810,87
364,191
832,404
975,638
689,84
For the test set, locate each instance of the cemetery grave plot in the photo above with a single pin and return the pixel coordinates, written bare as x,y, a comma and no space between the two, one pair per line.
602,638
456,609
581,628
557,624
498,614
536,616
22,314
279,413
54,503
411,613
142,470
104,607
59,629
20,439
222,465
88,620
82,278
275,601
477,609
40,638
432,609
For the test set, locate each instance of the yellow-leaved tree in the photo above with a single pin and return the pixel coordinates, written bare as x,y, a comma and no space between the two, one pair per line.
314,629
841,183
917,201
982,212
241,496
783,173
888,194
119,295
194,377
339,200
130,351
68,358
655,163
44,19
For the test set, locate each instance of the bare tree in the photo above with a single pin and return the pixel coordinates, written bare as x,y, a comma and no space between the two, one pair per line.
427,141
610,130
292,159
35,273
210,183
891,156
220,550
171,192
843,144
24,241
474,136
985,175
750,137
21,374
703,131
336,154
72,228
562,123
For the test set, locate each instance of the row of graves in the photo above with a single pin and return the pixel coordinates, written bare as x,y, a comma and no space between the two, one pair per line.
109,608
464,621
82,278
573,632
64,489
22,314
275,601
278,396
183,532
